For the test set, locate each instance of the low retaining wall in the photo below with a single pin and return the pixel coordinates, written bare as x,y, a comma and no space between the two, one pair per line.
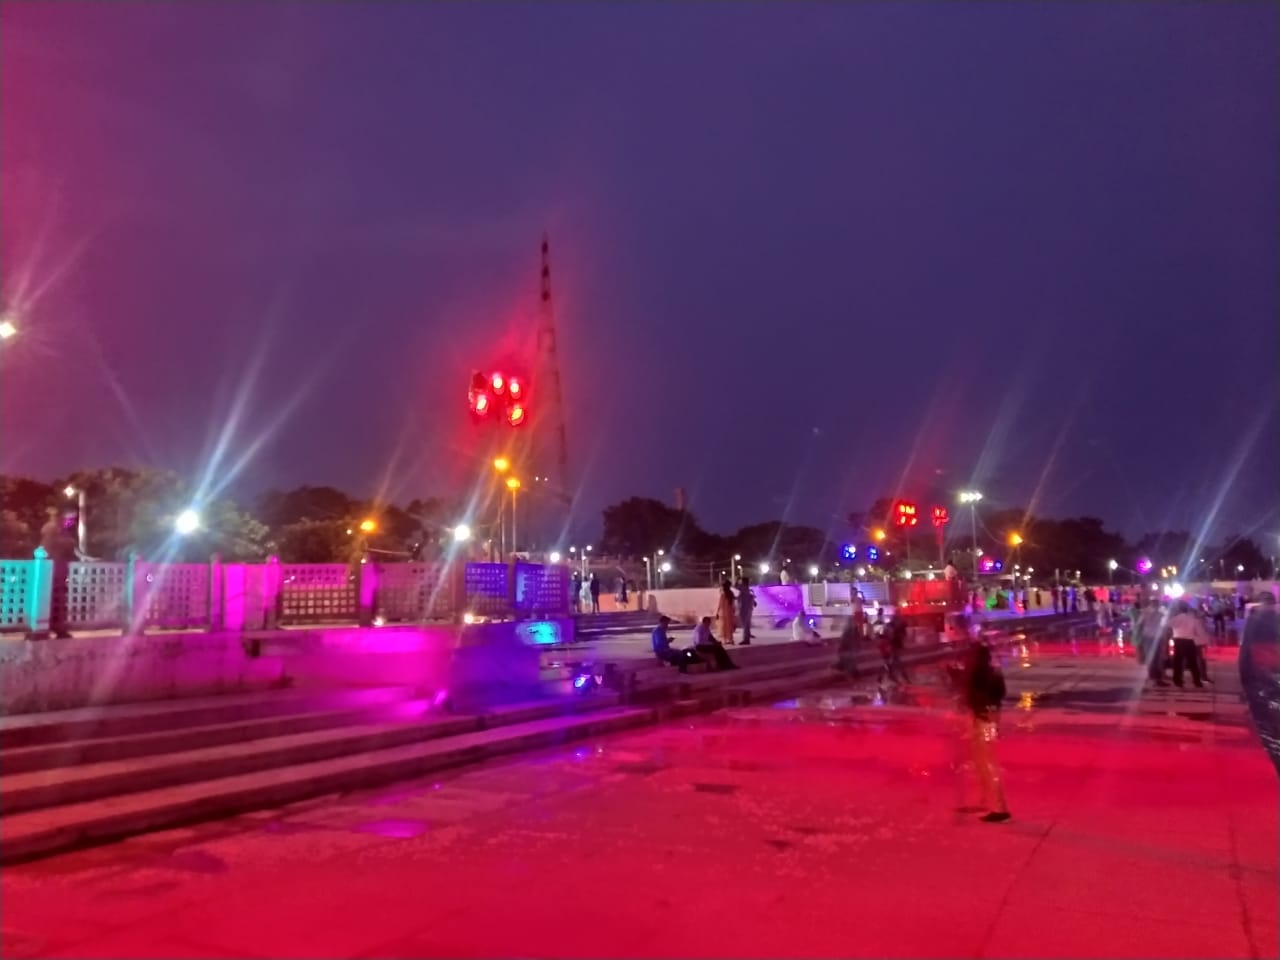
491,660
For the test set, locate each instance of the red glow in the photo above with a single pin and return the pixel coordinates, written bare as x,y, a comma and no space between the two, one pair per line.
905,514
940,516
514,388
482,403
498,383
516,415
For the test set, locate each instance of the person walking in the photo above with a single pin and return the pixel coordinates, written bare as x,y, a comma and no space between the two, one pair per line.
746,604
726,615
983,690
1152,628
1188,634
1260,673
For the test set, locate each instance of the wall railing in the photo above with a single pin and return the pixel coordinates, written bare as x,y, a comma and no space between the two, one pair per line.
41,596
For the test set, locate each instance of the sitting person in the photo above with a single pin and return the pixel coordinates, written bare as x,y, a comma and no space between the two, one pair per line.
709,648
802,631
663,650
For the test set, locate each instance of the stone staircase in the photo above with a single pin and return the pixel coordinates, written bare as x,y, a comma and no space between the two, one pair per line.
593,626
72,777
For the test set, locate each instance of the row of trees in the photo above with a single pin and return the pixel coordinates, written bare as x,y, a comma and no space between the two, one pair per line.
640,527
134,510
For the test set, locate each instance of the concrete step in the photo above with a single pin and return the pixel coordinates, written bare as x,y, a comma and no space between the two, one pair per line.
61,726
779,687
94,781
107,749
39,832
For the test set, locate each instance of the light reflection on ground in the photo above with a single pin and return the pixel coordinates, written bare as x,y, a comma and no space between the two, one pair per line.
818,826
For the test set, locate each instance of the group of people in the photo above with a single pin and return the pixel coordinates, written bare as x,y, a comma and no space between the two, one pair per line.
890,635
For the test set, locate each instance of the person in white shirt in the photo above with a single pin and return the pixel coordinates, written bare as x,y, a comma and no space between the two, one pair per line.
1188,634
706,646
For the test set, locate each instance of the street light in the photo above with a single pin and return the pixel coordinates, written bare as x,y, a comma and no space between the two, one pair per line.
1111,571
813,572
513,484
764,569
461,533
82,533
501,464
8,329
879,535
555,556
1015,539
971,497
368,525
187,522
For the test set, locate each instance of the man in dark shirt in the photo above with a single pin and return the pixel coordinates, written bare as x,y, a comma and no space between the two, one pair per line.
663,650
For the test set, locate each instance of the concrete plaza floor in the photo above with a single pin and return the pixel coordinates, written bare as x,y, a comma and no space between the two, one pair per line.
1145,825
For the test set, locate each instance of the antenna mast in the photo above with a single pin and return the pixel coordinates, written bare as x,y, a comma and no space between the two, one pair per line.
549,360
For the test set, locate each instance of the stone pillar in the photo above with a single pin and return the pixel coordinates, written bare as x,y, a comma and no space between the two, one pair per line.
137,596
271,596
367,592
39,603
216,593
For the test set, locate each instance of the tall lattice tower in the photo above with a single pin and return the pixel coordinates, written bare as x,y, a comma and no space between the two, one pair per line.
554,436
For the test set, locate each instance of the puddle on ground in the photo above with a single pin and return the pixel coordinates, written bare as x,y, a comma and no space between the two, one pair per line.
720,788
393,829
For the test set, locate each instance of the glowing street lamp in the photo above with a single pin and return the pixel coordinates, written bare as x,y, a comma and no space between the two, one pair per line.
368,525
1111,570
187,522
461,533
555,556
82,533
8,329
764,569
879,535
1015,539
813,572
501,464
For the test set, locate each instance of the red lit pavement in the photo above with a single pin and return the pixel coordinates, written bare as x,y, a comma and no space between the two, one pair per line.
1144,826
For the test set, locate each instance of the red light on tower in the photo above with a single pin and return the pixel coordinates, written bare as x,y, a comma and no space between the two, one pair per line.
499,383
905,514
482,403
940,517
513,387
516,415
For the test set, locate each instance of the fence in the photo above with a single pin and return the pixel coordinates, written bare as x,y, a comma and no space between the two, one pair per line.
39,595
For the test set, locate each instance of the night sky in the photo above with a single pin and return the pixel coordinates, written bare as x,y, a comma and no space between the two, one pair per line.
803,255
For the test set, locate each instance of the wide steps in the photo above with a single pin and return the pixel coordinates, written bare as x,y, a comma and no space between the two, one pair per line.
61,726
36,832
106,749
90,781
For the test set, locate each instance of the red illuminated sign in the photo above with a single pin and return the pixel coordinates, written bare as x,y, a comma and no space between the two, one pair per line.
940,517
905,514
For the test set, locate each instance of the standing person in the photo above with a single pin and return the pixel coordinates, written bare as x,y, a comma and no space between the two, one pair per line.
577,591
622,593
983,692
896,634
1219,609
746,604
1057,599
725,613
1188,634
1260,672
593,587
1152,628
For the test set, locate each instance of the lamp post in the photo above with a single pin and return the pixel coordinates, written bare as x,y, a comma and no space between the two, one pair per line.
1111,572
663,570
971,497
82,533
513,484
648,574
501,465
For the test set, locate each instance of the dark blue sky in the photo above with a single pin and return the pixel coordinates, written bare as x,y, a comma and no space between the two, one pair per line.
803,254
